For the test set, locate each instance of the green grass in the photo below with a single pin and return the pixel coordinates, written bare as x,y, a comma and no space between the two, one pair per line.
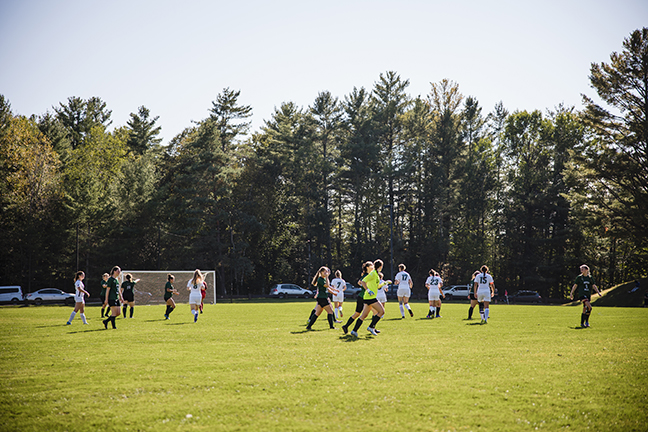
251,366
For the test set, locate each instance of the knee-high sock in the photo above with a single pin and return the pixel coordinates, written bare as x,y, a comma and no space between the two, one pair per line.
357,325
112,321
72,316
124,310
407,306
83,318
374,321
402,309
470,311
102,311
131,311
432,310
312,320
486,311
438,310
330,320
349,321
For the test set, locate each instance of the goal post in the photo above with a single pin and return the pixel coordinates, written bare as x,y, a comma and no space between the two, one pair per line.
150,288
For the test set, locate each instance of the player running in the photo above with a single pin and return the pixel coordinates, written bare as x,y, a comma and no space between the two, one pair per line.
340,285
433,285
584,283
371,284
169,290
404,281
102,294
323,303
79,301
193,286
359,302
485,289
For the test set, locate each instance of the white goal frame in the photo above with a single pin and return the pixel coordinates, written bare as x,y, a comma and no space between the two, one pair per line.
140,272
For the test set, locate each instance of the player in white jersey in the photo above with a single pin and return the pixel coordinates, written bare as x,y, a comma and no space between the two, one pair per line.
434,284
195,297
404,281
79,301
340,285
484,290
383,287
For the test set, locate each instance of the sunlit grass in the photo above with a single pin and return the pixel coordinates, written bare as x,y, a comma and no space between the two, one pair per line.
252,366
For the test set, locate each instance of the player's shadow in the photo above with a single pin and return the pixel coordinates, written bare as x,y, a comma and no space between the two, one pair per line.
393,319
578,328
87,331
474,324
349,338
179,323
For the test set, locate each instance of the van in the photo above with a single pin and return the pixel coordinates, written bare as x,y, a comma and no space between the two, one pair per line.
11,294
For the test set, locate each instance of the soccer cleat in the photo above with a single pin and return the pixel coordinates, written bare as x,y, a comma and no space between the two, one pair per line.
341,314
439,316
105,324
166,316
372,331
68,323
586,324
332,328
338,321
403,317
411,313
354,333
195,318
345,329
377,331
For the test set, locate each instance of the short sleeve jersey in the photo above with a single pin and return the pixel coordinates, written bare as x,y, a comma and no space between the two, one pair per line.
339,284
361,293
78,286
128,287
321,290
372,280
483,282
434,282
584,286
402,279
113,287
104,286
167,294
471,288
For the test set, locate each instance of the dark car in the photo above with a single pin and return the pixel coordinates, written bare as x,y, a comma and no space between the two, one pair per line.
525,297
50,295
351,292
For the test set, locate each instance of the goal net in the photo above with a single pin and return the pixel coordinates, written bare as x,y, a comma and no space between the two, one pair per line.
150,288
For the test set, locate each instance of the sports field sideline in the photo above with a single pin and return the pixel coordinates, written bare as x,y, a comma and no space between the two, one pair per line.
252,366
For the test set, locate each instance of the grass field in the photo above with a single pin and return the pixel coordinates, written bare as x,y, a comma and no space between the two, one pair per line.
253,367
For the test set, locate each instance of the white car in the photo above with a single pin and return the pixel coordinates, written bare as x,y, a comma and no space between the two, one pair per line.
456,291
50,295
289,290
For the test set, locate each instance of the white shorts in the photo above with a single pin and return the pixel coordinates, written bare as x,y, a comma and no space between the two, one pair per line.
339,297
433,296
404,292
483,296
381,297
79,299
195,299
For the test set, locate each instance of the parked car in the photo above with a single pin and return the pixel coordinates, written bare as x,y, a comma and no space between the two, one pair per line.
351,292
525,297
289,290
11,294
456,292
50,295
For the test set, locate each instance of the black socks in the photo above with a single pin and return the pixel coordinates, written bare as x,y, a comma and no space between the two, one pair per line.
374,321
330,320
470,312
357,326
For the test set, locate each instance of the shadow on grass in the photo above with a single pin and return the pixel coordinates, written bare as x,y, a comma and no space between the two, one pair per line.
474,324
349,338
180,323
393,319
90,330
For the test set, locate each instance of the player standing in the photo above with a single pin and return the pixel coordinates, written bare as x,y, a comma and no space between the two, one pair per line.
485,289
433,285
404,281
79,294
113,297
323,303
102,294
169,290
193,286
340,285
128,293
584,283
473,298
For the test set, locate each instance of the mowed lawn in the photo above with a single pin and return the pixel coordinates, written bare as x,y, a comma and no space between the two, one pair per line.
251,366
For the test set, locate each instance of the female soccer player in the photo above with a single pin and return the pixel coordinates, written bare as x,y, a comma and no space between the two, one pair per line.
169,290
323,303
102,294
113,297
79,301
194,286
584,283
382,290
404,281
128,293
485,289
433,285
203,294
370,283
359,300
473,298
340,285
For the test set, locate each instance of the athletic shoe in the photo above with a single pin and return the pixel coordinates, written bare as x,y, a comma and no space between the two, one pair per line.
354,333
68,323
338,321
341,314
332,328
195,318
482,321
586,324
345,329
166,316
372,331
411,313
403,317
439,316
377,331
309,329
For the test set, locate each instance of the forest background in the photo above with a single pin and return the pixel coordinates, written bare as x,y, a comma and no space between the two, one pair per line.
433,178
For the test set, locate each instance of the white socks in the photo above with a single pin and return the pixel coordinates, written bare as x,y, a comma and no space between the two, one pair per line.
72,315
486,311
402,309
432,310
408,306
83,318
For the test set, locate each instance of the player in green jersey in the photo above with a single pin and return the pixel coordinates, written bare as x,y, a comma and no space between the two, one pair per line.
371,283
584,283
473,298
113,297
102,294
128,293
323,303
169,290
359,300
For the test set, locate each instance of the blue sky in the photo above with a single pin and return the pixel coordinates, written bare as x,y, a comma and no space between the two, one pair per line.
174,57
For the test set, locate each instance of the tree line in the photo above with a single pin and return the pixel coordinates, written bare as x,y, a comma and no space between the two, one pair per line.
433,179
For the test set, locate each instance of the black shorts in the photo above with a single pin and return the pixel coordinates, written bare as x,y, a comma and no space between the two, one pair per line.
129,296
370,301
359,305
585,298
472,296
323,302
113,303
166,298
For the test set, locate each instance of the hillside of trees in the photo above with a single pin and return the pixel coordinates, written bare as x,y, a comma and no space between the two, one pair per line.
531,194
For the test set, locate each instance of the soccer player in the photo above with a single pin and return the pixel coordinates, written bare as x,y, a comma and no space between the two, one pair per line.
359,300
473,298
383,287
485,289
79,301
128,293
433,285
338,299
404,281
370,283
169,290
323,303
193,286
203,294
113,297
102,294
584,283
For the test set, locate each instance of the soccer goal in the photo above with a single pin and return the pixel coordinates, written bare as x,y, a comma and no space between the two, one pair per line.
150,288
